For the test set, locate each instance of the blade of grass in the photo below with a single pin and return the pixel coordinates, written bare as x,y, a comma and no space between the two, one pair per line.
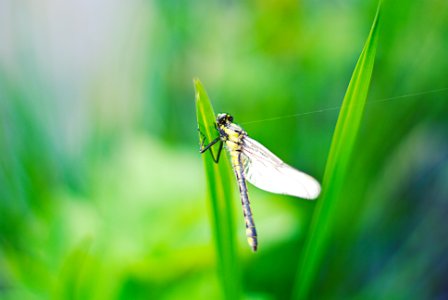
221,198
347,127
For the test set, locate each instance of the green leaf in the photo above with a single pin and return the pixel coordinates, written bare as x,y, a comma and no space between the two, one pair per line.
324,221
220,198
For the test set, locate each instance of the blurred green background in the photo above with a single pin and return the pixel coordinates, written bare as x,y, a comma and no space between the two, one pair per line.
102,191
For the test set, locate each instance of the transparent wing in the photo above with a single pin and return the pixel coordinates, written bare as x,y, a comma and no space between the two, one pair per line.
268,172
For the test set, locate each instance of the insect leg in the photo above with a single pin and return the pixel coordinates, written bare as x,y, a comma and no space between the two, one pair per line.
203,148
219,153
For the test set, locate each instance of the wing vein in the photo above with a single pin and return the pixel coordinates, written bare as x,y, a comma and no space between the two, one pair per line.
266,171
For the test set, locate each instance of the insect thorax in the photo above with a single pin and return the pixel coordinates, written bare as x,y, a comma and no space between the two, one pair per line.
232,135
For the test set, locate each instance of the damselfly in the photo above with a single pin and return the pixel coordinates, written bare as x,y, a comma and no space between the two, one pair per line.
251,161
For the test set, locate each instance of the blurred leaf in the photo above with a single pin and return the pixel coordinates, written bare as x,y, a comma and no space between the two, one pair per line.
347,127
221,199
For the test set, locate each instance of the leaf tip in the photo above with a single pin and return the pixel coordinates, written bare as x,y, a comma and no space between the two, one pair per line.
199,89
196,82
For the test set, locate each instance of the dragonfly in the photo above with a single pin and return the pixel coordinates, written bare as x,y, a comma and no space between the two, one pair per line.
253,162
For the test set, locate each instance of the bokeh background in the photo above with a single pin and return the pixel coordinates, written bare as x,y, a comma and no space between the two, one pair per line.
102,190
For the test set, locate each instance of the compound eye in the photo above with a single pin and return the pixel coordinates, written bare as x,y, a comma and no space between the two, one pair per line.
220,118
230,118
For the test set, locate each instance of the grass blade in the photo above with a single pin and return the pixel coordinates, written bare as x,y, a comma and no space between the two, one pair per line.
347,127
221,199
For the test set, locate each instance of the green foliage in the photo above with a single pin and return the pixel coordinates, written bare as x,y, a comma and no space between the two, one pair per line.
102,188
325,219
221,199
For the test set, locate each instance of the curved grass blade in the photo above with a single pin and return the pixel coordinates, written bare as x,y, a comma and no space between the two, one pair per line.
324,220
221,198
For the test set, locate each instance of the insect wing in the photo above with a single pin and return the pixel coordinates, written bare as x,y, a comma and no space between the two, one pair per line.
268,172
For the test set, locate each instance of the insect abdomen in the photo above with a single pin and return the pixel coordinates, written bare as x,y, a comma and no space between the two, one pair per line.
251,232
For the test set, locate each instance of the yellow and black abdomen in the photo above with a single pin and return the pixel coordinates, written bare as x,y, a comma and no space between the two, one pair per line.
233,138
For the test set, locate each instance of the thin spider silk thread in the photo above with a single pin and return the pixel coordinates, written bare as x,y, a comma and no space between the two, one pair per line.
338,107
